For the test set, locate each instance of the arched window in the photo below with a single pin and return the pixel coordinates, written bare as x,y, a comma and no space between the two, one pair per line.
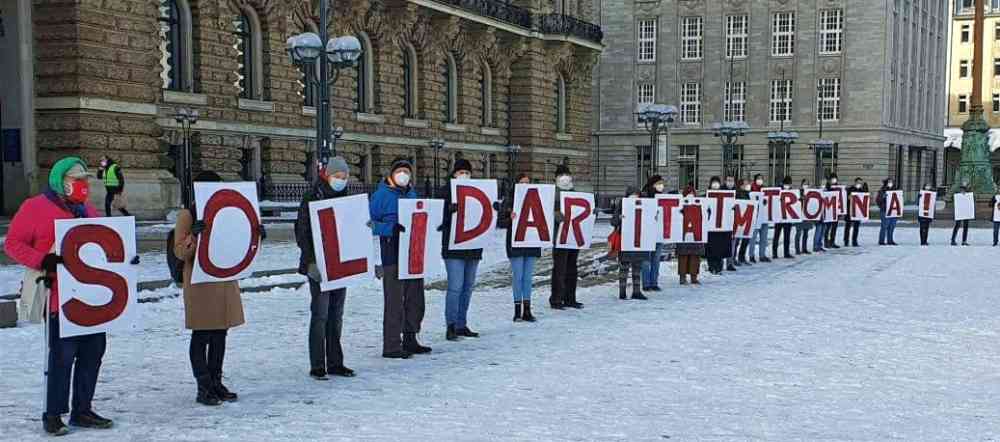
365,84
450,88
410,97
486,94
560,104
248,30
175,46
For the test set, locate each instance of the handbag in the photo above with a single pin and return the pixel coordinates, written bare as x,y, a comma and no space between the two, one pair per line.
33,296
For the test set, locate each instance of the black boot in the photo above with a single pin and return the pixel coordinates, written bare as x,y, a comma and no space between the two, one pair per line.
411,345
399,354
206,394
636,294
467,332
341,371
221,391
622,294
526,315
517,311
54,425
753,260
318,374
731,267
451,335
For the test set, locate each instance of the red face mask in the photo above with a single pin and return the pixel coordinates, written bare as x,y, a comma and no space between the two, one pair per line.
78,191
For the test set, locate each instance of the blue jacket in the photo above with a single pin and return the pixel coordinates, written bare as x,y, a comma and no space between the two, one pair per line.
384,211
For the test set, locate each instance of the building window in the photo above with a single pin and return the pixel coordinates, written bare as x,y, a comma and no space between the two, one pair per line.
647,41
364,81
645,94
828,99
783,34
249,44
450,88
410,97
996,103
778,161
996,31
965,33
963,104
560,104
996,67
732,161
963,69
691,103
486,94
687,165
781,101
175,45
736,36
691,38
831,31
736,101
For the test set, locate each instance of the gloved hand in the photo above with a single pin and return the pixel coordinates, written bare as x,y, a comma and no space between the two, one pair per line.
398,228
559,217
50,261
453,208
378,272
197,228
263,232
441,228
135,260
313,272
496,206
369,224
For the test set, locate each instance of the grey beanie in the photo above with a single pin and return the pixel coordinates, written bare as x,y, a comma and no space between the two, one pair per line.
337,164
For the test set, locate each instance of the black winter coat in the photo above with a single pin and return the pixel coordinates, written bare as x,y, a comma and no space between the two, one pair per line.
446,253
616,222
303,226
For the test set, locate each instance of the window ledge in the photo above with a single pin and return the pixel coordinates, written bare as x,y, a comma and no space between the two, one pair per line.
452,127
413,122
830,54
491,131
256,105
369,118
309,111
561,136
177,97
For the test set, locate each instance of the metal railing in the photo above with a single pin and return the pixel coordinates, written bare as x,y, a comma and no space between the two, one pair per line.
290,192
567,25
497,9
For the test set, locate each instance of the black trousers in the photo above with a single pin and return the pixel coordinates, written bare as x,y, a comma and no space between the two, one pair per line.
742,248
207,352
77,358
831,234
965,231
851,229
925,227
778,229
109,196
623,271
325,324
404,308
564,274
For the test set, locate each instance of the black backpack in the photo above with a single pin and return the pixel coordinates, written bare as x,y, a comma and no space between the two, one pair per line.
175,264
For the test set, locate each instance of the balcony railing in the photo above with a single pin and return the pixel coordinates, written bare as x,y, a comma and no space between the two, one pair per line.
566,25
497,9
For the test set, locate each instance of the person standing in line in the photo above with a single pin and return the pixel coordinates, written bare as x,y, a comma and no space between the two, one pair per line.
326,321
461,265
819,236
689,254
996,222
743,194
802,229
831,227
925,222
522,263
564,269
783,228
403,298
730,260
719,244
887,226
628,260
759,240
963,224
852,227
114,185
651,265
30,242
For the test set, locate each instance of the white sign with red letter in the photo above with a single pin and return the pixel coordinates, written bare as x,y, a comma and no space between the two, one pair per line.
342,241
669,220
226,253
534,215
694,220
831,200
97,282
639,233
996,208
894,204
420,242
720,213
475,218
758,200
841,199
927,204
771,202
860,206
790,207
965,206
744,218
812,205
576,231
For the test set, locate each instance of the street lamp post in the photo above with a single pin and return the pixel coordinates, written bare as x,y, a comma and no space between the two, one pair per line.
657,118
437,144
186,118
342,52
729,132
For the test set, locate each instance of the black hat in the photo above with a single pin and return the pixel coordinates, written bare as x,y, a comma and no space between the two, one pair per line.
207,176
561,170
787,180
461,164
401,162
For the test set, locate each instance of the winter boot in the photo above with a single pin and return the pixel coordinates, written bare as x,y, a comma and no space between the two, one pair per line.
526,315
638,295
89,419
221,391
466,332
684,280
399,354
451,335
517,311
341,371
694,280
318,374
765,259
54,425
206,393
411,345
731,267
753,260
622,294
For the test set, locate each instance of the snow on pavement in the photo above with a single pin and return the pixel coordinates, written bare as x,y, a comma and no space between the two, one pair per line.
860,344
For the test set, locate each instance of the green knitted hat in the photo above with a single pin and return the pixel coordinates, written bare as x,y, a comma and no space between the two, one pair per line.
59,170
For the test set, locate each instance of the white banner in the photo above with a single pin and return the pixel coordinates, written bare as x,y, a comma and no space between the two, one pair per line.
790,209
475,218
812,205
771,205
831,201
759,214
226,253
576,232
98,284
694,224
965,206
927,204
420,242
668,215
639,233
860,206
744,218
894,204
342,241
720,210
841,199
534,216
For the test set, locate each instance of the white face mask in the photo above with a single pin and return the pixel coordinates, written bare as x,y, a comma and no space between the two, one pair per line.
337,184
462,176
786,186
564,182
746,187
759,182
730,184
401,179
805,186
857,185
890,183
104,163
833,181
658,187
715,186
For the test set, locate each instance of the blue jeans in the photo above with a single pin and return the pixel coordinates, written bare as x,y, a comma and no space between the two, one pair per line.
819,236
887,230
461,279
651,268
760,242
523,268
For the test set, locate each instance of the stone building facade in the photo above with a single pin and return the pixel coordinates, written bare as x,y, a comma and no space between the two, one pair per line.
484,75
875,70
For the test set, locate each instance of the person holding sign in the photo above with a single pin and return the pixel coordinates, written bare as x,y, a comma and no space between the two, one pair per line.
819,236
522,263
887,224
831,226
628,260
651,266
689,254
926,216
326,321
564,265
719,242
743,194
850,225
759,241
996,218
962,214
210,310
782,227
30,242
404,299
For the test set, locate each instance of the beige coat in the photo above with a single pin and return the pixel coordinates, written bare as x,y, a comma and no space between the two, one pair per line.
207,306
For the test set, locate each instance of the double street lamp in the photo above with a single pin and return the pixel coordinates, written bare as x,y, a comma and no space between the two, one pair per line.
437,144
728,133
657,118
308,50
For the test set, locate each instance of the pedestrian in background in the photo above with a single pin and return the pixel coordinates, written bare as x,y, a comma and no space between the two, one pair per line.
111,174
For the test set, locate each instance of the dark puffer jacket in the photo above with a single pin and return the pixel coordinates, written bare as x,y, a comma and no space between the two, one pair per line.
303,227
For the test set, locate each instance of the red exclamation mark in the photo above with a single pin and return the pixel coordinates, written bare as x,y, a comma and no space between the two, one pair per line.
927,205
418,234
637,238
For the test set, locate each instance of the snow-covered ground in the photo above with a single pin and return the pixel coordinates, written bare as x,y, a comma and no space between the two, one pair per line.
874,343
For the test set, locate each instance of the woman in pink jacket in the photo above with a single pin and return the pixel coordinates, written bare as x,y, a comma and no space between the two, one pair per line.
29,242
